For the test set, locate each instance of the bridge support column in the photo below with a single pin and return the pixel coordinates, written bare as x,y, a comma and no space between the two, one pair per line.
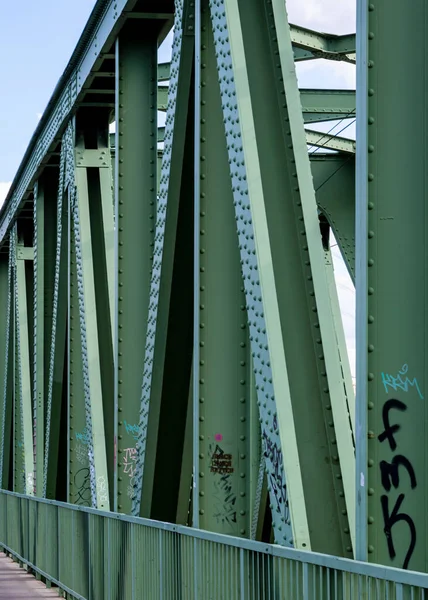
285,280
391,283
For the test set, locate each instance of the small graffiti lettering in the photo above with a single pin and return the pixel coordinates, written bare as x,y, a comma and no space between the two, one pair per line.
221,462
82,483
102,492
130,461
398,383
133,430
224,495
83,437
273,454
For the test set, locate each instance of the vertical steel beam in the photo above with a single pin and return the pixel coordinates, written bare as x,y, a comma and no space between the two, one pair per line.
6,361
285,281
334,183
136,155
340,337
39,334
58,327
89,324
23,367
167,362
223,452
392,226
93,217
79,491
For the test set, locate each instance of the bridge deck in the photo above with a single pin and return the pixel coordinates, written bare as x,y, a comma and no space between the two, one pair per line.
17,583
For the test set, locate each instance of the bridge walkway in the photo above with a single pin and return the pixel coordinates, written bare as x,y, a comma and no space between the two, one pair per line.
16,582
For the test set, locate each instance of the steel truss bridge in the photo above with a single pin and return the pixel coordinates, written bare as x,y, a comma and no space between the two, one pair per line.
171,342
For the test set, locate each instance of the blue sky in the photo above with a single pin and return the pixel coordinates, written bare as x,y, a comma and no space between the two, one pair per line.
38,39
36,42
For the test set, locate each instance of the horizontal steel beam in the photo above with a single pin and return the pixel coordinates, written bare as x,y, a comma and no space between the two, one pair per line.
309,44
327,105
330,142
313,138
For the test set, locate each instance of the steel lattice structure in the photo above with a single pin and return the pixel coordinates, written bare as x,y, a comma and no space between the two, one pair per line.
171,340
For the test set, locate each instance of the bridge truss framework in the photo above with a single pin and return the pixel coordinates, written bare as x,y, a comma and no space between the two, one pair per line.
171,339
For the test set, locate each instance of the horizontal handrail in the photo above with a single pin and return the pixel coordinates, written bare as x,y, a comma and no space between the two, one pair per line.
40,531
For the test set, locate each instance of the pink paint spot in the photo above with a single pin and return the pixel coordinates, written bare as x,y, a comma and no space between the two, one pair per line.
218,437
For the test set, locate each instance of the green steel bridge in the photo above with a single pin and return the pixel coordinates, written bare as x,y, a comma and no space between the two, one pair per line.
177,414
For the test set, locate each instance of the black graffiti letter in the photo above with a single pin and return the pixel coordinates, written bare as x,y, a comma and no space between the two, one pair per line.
390,520
390,429
389,472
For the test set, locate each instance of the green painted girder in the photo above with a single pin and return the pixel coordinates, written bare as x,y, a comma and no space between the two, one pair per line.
79,481
165,412
317,105
334,183
93,176
330,142
6,362
224,458
277,217
39,333
24,391
391,284
309,44
135,209
313,138
327,105
57,323
94,314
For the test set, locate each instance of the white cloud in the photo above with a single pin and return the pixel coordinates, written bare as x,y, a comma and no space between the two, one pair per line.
4,188
328,16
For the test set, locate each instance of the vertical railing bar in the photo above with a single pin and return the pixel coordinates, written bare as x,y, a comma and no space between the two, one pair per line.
68,340
133,560
160,566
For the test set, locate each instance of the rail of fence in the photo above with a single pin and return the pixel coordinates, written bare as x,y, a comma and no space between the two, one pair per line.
95,555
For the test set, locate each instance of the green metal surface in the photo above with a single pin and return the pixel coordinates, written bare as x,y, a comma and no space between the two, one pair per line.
135,223
23,367
277,231
334,183
392,237
327,105
167,362
89,324
6,349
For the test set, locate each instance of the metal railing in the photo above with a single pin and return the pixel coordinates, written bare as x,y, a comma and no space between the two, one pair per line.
96,555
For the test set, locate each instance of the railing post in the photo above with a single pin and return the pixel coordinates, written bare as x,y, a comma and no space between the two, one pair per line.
242,574
160,566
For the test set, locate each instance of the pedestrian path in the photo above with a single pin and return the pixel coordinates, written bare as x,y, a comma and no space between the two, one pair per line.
17,583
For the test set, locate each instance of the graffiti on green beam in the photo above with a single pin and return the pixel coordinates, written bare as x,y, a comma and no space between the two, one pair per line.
133,430
83,486
398,383
390,477
224,495
83,437
129,464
